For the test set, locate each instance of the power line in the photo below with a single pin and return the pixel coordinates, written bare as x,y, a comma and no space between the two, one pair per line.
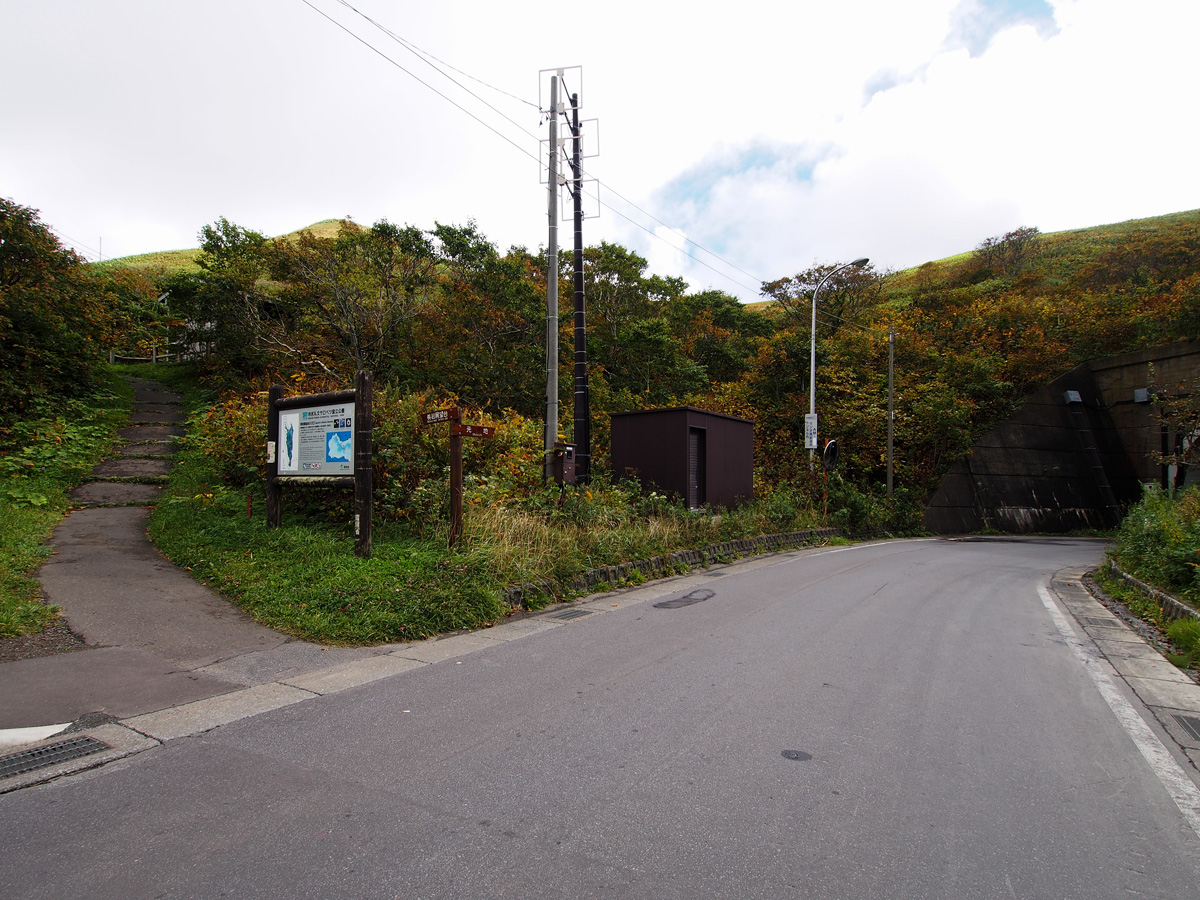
415,77
422,54
415,49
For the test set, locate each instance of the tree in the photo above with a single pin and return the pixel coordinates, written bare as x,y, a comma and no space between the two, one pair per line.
717,332
482,337
226,310
362,288
1178,408
843,296
53,314
1011,254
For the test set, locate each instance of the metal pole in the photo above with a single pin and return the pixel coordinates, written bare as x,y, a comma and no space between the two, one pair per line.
274,493
583,420
891,401
812,369
456,481
363,461
552,292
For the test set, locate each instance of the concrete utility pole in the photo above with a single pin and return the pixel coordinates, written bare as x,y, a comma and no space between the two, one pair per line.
552,290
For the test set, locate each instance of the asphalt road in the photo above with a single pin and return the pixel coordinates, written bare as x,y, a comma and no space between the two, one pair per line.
895,720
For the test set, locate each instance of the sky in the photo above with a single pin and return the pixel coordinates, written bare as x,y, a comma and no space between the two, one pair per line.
728,143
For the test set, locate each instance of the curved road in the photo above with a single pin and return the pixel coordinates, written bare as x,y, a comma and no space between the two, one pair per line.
891,720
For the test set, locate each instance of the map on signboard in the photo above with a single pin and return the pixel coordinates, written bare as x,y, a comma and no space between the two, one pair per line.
317,441
289,444
338,447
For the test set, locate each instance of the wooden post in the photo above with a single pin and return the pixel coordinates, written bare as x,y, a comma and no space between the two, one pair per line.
274,497
362,464
456,485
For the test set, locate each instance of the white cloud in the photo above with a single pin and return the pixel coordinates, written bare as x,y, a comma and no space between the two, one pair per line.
778,136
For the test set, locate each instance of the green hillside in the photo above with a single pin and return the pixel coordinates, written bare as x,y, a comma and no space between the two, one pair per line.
167,262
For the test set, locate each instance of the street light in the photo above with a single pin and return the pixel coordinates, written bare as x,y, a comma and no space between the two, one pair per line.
812,367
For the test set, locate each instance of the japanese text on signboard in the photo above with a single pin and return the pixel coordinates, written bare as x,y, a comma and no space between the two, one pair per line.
318,440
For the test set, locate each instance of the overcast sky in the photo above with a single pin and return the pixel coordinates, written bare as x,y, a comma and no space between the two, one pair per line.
774,134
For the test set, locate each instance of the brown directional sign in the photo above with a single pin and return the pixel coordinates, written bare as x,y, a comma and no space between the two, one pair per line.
440,415
472,430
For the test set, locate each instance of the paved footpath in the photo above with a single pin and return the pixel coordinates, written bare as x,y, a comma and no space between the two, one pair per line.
156,639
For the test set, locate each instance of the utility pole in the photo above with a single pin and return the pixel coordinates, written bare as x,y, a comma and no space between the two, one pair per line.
583,421
552,291
891,401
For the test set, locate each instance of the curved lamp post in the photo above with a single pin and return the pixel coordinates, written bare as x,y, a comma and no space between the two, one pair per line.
812,368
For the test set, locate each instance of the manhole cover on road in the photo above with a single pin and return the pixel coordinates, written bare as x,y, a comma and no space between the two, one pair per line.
797,755
697,596
50,755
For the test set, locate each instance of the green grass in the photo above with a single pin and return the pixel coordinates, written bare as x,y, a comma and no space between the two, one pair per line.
41,459
303,578
171,261
164,261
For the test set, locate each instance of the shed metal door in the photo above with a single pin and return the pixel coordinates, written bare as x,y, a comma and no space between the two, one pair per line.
697,465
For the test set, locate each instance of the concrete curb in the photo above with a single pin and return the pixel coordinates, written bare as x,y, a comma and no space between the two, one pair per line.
1172,608
1168,693
516,596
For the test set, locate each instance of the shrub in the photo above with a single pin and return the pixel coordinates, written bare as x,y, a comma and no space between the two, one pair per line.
1159,541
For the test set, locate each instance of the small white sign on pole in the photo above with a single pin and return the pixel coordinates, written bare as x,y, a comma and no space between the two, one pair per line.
810,431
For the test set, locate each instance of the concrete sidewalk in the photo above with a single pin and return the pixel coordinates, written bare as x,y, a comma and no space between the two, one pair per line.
155,638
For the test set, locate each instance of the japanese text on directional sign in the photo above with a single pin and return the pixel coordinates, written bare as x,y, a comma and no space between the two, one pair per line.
441,415
810,431
317,440
472,430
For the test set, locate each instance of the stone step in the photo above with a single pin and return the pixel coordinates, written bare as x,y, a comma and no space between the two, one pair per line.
115,493
133,468
152,432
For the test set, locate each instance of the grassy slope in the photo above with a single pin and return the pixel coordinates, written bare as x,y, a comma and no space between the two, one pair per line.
169,261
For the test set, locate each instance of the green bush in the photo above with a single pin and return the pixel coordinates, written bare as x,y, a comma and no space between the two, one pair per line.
1159,541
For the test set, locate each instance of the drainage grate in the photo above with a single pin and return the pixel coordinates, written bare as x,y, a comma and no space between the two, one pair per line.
697,596
1190,724
49,755
572,614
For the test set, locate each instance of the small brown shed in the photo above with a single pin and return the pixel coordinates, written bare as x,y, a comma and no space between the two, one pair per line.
703,457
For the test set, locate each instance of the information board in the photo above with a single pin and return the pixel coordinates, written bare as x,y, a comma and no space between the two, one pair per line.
316,440
810,431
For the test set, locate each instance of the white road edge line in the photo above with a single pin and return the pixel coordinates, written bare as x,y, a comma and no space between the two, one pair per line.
1181,788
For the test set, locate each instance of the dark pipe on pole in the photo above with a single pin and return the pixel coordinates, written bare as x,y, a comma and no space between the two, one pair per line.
583,434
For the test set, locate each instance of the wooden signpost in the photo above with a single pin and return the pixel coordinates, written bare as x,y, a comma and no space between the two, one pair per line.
322,439
458,431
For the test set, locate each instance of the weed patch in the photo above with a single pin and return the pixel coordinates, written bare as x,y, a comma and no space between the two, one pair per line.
42,457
